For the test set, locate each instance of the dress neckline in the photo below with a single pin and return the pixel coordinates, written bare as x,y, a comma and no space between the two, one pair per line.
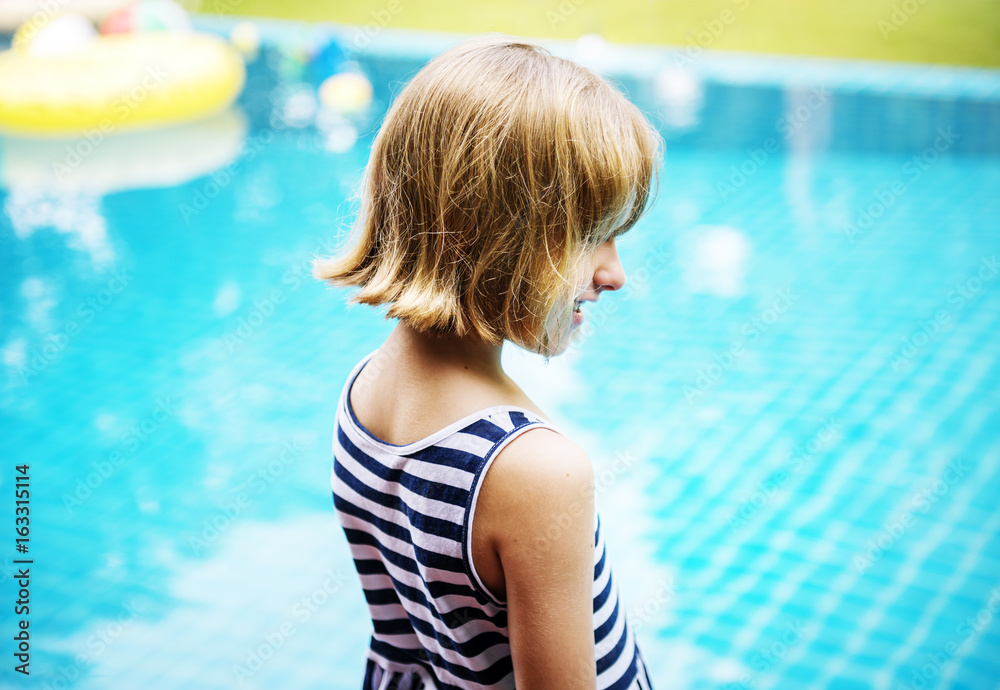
431,439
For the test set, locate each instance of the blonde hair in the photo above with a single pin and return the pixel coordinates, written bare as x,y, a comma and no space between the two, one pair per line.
495,170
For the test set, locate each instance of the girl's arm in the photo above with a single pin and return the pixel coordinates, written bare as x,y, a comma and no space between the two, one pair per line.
537,505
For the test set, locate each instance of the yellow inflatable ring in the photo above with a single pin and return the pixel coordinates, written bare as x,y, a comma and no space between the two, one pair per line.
118,82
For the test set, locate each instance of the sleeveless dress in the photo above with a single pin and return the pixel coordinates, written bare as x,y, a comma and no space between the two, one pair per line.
407,513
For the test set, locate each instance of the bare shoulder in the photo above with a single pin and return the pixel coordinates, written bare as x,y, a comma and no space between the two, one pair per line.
542,455
537,478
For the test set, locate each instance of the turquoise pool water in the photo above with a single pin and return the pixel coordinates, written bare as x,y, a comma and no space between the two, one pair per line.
793,407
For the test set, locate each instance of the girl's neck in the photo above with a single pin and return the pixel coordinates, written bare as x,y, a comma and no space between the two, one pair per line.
436,352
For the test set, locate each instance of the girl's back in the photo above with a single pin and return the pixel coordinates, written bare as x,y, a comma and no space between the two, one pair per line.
421,522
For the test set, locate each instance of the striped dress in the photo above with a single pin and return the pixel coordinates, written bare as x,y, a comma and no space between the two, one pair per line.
407,514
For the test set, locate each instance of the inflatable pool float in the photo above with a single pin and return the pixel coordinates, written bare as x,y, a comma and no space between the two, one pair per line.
118,82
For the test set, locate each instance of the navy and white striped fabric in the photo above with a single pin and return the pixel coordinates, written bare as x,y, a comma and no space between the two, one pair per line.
407,514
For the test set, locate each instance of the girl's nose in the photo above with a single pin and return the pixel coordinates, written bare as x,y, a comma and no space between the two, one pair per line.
609,274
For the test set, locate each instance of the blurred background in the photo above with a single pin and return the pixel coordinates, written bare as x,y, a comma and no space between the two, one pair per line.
792,406
961,32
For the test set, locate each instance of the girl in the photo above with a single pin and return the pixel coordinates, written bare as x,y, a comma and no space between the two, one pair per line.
495,190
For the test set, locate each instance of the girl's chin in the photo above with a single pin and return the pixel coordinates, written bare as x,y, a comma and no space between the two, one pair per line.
562,332
560,344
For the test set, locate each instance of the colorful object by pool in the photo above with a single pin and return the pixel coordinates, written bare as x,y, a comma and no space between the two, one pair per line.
347,92
150,15
246,37
59,34
118,82
327,60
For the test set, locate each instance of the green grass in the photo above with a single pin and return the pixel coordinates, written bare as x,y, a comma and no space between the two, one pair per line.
961,32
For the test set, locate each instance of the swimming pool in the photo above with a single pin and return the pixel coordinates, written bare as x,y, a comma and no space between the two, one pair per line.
793,407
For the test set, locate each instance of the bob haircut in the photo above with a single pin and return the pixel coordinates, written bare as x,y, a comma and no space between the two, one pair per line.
495,172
